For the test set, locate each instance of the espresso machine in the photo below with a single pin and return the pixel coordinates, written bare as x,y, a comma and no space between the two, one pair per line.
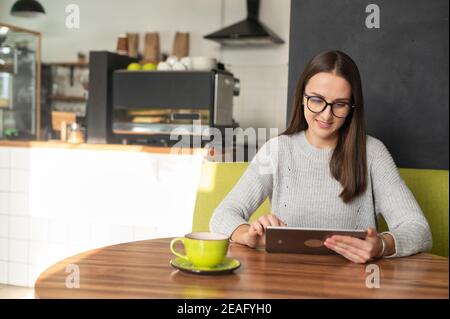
157,107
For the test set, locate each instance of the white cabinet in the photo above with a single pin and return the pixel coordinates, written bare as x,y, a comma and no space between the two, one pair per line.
56,202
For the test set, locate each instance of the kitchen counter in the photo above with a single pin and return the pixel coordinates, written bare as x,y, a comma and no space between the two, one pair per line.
59,199
105,147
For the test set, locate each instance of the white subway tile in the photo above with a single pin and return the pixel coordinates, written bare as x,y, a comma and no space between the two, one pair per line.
39,253
58,231
4,157
17,274
143,233
20,158
4,203
121,234
4,249
4,226
19,204
79,233
4,180
3,272
19,227
57,252
33,274
39,229
18,250
20,180
261,76
99,235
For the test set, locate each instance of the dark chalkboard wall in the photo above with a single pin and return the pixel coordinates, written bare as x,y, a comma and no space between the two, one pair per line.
404,67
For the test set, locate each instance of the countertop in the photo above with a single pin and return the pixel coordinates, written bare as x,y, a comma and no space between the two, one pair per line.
106,147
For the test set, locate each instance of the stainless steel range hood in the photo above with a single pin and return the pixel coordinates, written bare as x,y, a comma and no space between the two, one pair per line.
250,31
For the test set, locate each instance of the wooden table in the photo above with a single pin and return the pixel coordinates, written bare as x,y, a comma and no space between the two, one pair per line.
141,270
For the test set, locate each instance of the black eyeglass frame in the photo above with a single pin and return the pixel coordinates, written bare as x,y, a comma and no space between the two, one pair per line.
352,106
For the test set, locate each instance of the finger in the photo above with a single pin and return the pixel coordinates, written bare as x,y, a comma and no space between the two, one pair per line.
264,220
371,232
352,241
346,254
256,226
349,255
274,221
362,253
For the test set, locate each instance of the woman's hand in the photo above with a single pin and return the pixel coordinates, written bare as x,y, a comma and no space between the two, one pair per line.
357,250
256,234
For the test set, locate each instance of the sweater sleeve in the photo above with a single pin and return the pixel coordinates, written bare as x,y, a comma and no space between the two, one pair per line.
393,199
254,186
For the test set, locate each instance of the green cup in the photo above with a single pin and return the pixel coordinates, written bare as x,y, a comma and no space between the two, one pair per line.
202,249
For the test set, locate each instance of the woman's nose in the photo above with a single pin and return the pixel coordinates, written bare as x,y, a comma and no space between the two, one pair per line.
327,113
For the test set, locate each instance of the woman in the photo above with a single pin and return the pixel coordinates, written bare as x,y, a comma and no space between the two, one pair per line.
325,172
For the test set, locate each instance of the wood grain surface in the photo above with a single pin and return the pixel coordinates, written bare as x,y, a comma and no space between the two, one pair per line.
141,270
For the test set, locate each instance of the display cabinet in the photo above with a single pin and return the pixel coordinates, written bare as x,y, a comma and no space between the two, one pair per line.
20,67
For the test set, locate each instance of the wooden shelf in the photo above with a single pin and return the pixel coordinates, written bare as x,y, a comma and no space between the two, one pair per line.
66,98
70,64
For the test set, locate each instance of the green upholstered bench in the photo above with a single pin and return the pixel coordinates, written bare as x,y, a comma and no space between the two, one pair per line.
430,188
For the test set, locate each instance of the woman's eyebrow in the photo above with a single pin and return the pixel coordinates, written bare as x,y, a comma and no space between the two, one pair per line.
340,99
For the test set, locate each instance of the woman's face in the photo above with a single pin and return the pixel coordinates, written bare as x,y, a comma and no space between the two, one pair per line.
333,88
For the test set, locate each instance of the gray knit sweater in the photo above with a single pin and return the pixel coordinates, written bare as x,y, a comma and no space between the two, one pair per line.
296,177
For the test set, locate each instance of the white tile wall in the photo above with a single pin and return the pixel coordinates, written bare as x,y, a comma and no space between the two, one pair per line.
4,249
20,180
79,233
19,204
143,233
18,250
262,102
99,234
33,274
17,274
4,157
39,229
4,203
58,252
42,225
3,272
19,227
20,158
58,231
38,253
4,179
4,226
121,234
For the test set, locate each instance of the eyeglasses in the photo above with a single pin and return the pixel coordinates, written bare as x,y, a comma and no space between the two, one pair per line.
317,104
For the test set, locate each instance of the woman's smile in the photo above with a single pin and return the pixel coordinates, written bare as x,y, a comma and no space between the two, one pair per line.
324,125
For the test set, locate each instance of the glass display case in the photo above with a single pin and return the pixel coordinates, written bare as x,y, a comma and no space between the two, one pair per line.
20,59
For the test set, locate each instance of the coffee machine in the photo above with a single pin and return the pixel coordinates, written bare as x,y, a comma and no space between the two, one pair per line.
157,107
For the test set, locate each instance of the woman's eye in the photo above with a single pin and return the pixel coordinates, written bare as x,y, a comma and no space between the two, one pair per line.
340,104
316,100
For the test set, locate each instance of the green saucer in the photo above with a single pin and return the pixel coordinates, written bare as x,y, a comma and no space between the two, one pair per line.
228,265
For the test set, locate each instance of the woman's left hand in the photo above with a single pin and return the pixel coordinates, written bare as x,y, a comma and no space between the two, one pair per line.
357,250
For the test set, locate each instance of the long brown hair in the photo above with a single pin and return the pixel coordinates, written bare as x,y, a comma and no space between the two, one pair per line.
348,163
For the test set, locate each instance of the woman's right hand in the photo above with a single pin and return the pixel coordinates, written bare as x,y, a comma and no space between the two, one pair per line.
256,234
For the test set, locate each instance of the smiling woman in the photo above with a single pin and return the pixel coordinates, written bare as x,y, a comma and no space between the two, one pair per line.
325,172
333,75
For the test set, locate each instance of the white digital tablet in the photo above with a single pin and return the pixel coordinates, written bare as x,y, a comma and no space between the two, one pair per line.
304,240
